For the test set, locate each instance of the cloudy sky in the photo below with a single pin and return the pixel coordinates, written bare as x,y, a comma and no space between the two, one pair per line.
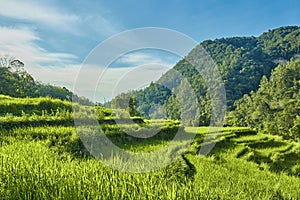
54,37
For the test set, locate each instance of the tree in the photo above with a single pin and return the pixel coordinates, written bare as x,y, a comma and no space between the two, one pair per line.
17,66
16,82
6,60
275,107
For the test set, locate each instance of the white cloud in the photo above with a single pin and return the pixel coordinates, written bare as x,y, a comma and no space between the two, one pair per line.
99,25
59,76
57,18
36,12
138,58
21,43
117,80
135,78
99,83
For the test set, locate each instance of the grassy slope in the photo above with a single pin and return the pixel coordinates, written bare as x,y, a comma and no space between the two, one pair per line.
46,162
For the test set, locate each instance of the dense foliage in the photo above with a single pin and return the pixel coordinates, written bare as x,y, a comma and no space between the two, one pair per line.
16,82
275,107
242,62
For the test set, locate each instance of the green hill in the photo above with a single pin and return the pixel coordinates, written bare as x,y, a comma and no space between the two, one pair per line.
22,84
242,62
16,82
275,106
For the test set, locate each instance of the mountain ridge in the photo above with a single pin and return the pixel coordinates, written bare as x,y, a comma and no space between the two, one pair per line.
242,62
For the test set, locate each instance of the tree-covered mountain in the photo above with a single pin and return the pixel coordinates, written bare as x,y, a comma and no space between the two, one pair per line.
242,62
275,106
16,82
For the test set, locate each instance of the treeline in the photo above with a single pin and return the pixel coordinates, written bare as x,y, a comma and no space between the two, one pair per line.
275,106
16,82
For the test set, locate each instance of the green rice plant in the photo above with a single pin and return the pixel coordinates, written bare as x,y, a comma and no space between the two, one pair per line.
31,105
42,157
242,151
30,171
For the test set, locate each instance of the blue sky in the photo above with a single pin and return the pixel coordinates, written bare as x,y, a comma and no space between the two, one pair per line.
54,37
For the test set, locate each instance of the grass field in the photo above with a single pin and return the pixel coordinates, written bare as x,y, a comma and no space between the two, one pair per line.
42,157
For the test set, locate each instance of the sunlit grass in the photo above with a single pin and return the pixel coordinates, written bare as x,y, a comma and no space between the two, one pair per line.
42,159
208,129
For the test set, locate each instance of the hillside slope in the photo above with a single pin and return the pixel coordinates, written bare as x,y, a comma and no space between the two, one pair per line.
275,106
16,82
242,62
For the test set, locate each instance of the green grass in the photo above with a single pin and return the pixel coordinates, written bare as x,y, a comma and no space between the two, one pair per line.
268,151
18,106
31,171
42,157
207,129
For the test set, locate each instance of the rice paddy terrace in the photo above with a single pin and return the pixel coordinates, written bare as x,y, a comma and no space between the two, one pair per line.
42,157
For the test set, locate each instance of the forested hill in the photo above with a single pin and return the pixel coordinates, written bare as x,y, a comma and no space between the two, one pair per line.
275,106
16,82
242,62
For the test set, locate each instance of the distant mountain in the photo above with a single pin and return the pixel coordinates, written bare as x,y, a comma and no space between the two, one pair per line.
242,62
